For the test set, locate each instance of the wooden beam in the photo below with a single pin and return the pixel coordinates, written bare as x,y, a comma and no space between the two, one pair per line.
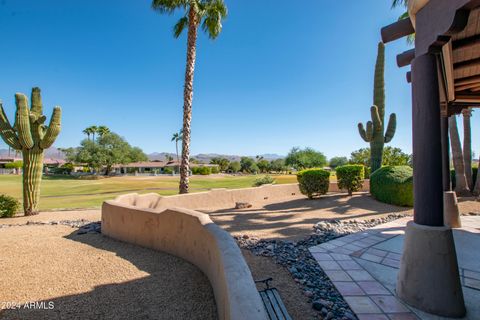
468,80
466,43
447,70
397,30
405,58
465,65
467,86
409,76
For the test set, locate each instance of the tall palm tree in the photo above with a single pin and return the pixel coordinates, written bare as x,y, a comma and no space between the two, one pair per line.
208,14
93,130
87,131
177,136
461,186
102,130
467,146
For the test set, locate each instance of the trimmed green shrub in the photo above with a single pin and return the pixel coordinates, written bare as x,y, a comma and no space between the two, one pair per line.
452,176
350,177
313,182
9,206
393,184
368,172
263,180
204,171
215,169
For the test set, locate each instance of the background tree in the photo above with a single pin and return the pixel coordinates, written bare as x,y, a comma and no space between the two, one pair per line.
177,137
461,186
234,166
248,165
109,150
102,130
208,14
88,132
93,131
391,157
375,133
30,135
263,165
467,146
222,163
337,161
278,165
306,158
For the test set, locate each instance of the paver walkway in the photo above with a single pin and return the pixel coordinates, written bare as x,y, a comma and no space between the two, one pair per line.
364,267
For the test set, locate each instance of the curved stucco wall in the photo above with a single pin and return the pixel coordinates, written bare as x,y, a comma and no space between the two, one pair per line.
413,7
222,198
194,237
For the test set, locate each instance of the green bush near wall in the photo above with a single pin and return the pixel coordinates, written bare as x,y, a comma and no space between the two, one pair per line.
313,182
393,185
350,177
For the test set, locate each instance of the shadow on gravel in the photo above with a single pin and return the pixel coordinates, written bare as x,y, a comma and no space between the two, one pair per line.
171,289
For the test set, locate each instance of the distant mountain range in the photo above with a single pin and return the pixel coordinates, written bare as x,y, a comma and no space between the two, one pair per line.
54,153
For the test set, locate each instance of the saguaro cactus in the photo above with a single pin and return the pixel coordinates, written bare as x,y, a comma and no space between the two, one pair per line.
375,132
30,136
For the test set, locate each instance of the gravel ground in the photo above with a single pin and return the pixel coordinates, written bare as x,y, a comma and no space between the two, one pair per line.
90,276
80,277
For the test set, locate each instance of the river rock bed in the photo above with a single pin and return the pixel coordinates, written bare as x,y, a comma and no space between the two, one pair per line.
305,270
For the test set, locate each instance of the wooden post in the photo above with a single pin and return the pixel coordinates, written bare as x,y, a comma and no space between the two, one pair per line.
427,146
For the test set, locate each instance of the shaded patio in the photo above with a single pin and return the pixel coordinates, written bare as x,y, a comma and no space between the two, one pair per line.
364,268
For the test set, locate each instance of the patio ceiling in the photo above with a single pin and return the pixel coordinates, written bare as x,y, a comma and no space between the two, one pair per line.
457,47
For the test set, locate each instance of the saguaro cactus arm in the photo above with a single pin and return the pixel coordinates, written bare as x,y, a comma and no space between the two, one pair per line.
367,135
22,122
53,129
7,132
377,121
391,128
36,103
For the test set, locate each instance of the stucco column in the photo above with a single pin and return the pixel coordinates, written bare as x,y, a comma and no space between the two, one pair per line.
428,278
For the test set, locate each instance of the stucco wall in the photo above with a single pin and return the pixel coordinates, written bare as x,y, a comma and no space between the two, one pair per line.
194,237
221,198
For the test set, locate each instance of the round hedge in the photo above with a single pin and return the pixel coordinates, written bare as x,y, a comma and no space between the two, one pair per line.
313,182
393,184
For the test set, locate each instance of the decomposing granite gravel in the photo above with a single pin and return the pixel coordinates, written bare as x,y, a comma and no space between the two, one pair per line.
85,226
302,266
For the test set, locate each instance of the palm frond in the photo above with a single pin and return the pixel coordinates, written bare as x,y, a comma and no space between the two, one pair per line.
213,12
169,6
403,16
398,3
180,26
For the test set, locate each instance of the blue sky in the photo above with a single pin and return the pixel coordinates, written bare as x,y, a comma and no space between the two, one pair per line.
279,75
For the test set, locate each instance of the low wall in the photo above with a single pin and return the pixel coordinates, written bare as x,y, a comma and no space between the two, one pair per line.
168,224
192,236
222,198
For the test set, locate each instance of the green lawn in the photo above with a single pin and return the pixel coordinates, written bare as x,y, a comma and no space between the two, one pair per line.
69,193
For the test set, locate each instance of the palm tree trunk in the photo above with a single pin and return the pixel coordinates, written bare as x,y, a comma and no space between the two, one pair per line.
476,190
467,146
188,97
461,187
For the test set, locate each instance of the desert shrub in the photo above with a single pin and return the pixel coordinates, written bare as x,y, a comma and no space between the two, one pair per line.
234,167
9,206
452,176
393,184
313,182
204,171
350,177
214,170
263,180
